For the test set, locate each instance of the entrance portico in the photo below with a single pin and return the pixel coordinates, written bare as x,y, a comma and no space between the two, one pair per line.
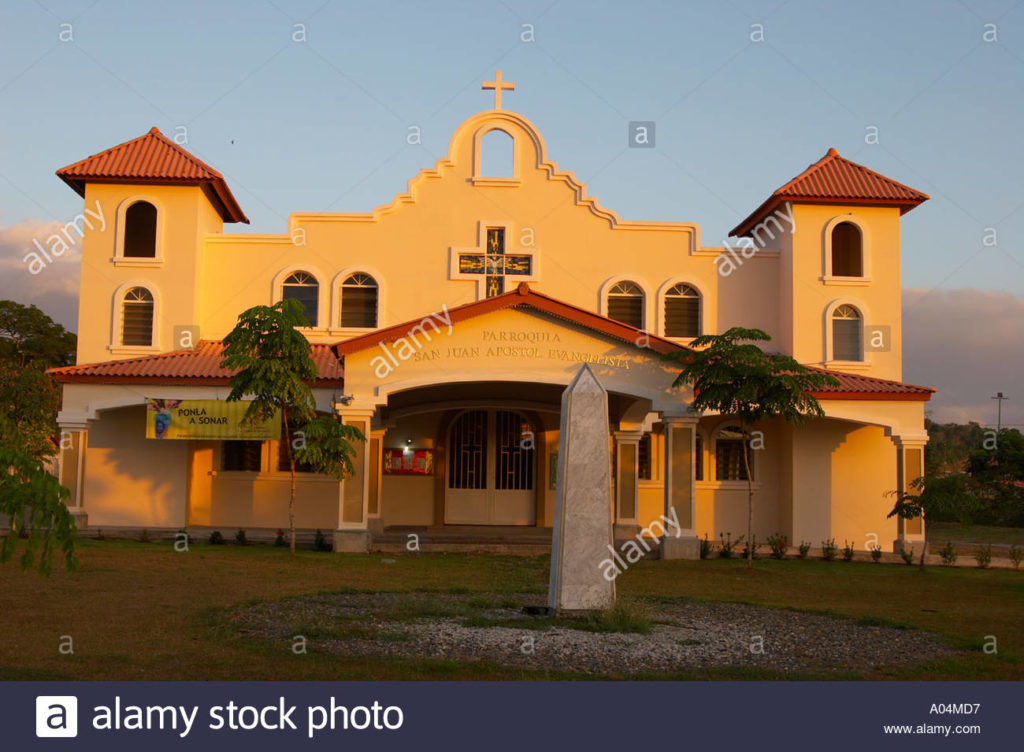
480,395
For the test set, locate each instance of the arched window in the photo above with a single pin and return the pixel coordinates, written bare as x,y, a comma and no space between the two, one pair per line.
729,463
682,312
847,251
137,317
497,155
847,334
359,302
303,287
626,304
140,230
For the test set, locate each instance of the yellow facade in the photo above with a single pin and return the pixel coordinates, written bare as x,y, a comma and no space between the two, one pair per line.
825,479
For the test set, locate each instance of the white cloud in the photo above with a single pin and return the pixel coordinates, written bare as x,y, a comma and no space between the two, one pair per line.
969,344
54,288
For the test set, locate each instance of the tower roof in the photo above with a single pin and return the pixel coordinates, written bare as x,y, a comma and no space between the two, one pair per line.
156,160
836,180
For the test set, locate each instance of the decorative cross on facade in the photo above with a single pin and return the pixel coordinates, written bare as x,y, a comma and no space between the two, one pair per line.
498,85
493,265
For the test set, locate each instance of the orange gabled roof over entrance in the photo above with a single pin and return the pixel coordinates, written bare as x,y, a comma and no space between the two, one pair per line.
521,297
198,367
850,387
836,180
153,159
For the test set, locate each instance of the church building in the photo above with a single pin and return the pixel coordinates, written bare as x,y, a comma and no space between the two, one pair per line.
446,324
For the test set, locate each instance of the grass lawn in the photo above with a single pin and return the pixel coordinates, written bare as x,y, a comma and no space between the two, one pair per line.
940,532
143,611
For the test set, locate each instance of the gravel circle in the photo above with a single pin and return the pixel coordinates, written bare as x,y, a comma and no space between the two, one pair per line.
685,635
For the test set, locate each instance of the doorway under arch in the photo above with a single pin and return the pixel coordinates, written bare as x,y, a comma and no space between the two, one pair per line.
491,469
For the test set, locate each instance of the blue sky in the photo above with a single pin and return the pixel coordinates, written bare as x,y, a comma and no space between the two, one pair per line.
321,124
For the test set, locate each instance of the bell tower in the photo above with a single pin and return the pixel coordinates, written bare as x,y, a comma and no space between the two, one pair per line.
151,203
840,265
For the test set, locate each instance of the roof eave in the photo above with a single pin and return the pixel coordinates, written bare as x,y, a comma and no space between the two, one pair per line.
216,191
743,228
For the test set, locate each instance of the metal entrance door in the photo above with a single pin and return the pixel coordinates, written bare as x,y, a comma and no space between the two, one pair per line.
491,470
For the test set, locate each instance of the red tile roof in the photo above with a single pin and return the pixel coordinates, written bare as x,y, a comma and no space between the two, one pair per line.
201,366
856,386
153,159
521,297
850,386
198,367
836,180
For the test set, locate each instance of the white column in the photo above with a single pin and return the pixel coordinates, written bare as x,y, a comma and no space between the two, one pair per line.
74,440
352,533
909,467
627,479
375,452
680,488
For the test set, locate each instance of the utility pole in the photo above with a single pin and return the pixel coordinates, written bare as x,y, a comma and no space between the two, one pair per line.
999,415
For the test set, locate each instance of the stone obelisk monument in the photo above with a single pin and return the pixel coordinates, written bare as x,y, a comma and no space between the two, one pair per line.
583,507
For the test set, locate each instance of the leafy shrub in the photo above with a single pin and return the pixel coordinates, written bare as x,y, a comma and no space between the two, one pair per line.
847,551
876,553
183,533
279,539
907,554
144,536
216,539
99,534
984,555
320,543
1016,555
829,549
803,549
240,538
778,544
727,545
706,546
948,554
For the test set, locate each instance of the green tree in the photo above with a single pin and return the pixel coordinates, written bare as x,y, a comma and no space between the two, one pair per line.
29,401
997,475
275,368
27,335
30,342
30,497
34,501
325,446
733,376
938,497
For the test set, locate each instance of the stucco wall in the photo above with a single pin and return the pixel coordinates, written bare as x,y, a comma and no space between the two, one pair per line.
131,480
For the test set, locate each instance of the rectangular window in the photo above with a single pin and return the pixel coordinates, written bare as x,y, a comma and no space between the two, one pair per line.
359,307
283,464
241,456
846,340
698,458
137,328
729,460
644,457
629,309
682,317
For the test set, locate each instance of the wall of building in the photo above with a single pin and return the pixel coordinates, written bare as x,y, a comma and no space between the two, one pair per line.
184,216
863,479
876,295
132,482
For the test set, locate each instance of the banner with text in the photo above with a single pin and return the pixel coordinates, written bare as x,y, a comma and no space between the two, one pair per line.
206,419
